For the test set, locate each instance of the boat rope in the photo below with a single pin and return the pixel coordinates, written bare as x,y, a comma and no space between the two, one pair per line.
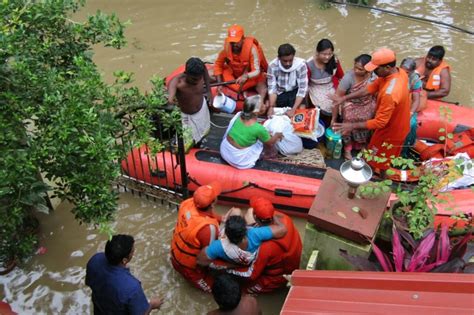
406,16
195,181
248,185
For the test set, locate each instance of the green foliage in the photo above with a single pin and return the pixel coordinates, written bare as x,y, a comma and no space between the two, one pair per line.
446,114
418,206
59,118
372,190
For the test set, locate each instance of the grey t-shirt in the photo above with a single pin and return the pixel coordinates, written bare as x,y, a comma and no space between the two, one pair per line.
347,81
316,73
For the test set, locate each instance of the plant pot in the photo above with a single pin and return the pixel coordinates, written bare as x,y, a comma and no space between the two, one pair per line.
7,267
397,212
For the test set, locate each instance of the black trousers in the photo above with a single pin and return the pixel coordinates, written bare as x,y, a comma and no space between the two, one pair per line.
286,99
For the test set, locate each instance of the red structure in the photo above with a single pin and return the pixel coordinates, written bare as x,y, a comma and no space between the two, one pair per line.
5,309
358,292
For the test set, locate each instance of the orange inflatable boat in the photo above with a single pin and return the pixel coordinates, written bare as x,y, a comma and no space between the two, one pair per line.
290,187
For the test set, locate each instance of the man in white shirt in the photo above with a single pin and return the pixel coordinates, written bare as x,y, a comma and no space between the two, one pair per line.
287,80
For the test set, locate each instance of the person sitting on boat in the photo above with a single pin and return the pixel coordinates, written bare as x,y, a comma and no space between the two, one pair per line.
287,80
188,89
196,227
276,257
325,72
416,86
239,246
435,73
391,123
228,296
244,138
242,60
355,110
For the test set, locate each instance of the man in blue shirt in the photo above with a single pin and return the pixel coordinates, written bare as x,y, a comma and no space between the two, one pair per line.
114,289
247,240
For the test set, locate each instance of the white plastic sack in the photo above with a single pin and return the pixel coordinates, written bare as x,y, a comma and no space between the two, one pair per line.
291,143
278,111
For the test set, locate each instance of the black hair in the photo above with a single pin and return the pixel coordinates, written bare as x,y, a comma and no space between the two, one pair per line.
286,50
194,67
235,229
226,292
250,107
363,59
322,45
118,248
437,52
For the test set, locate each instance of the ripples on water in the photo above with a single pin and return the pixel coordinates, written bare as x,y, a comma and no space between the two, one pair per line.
54,282
166,33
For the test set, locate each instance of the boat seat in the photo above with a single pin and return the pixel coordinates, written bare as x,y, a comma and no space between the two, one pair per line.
267,165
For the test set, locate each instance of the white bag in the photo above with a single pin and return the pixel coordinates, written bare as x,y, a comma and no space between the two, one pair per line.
291,143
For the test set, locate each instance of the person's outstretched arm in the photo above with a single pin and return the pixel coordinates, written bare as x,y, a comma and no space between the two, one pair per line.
278,228
155,304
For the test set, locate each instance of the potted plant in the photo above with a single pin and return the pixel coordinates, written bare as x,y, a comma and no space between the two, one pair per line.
416,205
436,251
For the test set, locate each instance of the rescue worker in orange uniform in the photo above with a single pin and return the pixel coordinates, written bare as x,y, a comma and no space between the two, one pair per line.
196,227
276,257
243,60
391,123
435,73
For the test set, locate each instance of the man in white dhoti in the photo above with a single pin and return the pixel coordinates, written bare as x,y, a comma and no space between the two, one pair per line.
188,89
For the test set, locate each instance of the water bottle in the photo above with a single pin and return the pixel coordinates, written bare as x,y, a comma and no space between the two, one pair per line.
337,149
330,145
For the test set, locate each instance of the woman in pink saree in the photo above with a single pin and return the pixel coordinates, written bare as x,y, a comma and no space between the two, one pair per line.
355,110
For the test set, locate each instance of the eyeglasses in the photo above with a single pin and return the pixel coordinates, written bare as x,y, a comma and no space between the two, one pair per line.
326,54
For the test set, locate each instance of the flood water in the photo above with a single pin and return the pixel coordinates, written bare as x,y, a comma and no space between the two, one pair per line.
164,33
53,283
162,36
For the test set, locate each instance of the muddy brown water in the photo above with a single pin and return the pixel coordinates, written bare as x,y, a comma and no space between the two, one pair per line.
53,283
162,36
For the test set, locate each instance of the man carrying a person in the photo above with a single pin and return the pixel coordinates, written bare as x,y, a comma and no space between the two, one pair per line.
242,60
239,244
391,123
188,89
114,289
196,227
276,257
435,73
287,80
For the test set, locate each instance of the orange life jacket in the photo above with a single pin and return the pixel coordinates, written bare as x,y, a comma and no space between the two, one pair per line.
407,175
185,245
461,142
434,81
287,258
242,64
281,256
